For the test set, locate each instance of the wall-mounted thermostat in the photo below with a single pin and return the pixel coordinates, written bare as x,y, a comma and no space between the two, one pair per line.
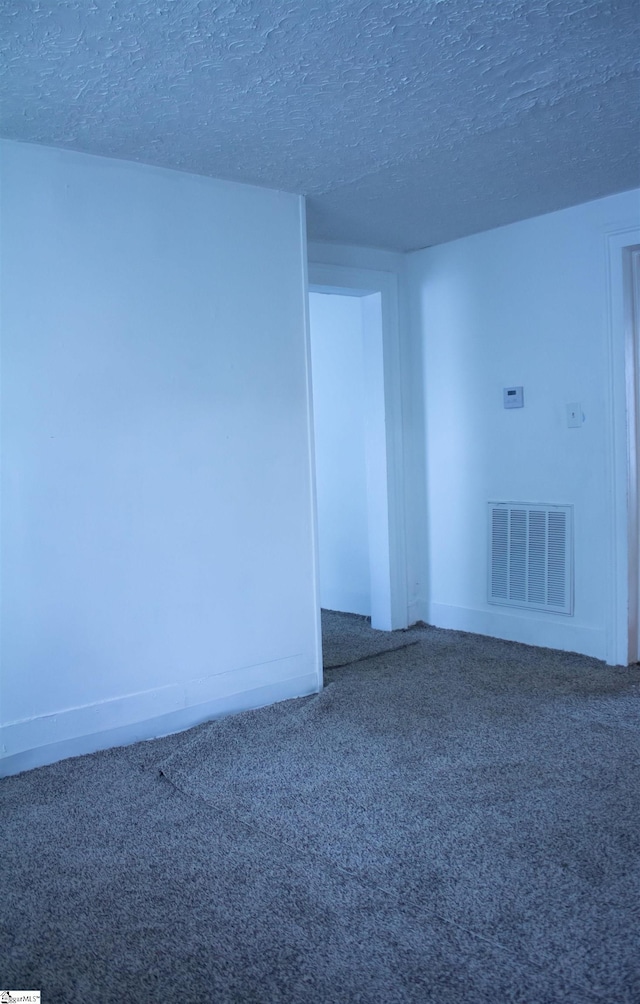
513,397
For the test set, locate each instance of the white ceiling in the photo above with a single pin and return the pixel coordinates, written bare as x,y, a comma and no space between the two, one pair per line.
405,123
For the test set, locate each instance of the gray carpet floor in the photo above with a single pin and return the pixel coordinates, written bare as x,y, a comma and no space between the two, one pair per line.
454,821
348,638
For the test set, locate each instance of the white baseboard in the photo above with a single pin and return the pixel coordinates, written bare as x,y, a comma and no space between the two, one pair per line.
346,602
76,731
415,612
530,629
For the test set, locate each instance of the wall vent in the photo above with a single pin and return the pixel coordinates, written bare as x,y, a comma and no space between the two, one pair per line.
531,556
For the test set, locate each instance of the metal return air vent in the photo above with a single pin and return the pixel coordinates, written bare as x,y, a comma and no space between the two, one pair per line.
531,556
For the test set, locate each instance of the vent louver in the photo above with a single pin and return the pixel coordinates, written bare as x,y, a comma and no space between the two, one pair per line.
531,555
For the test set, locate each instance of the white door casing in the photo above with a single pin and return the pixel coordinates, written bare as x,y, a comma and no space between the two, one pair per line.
622,248
383,420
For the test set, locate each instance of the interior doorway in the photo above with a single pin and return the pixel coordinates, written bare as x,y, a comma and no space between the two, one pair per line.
355,384
338,384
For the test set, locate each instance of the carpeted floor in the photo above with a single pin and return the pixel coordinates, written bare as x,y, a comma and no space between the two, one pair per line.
455,821
348,638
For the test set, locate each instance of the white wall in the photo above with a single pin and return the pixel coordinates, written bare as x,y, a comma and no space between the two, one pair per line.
354,256
158,555
340,450
524,304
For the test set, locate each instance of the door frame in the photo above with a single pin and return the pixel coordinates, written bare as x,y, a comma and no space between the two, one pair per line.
623,626
631,281
385,469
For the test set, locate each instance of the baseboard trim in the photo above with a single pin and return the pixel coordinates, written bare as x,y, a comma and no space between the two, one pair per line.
344,602
38,754
560,634
415,612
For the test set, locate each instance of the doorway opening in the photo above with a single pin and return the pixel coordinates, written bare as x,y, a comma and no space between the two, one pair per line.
339,395
353,335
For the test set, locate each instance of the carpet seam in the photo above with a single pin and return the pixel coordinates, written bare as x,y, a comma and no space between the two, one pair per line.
376,655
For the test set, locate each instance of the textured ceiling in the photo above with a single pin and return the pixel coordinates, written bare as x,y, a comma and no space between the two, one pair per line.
406,123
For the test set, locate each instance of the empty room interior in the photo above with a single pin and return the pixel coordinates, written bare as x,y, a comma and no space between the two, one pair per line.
320,520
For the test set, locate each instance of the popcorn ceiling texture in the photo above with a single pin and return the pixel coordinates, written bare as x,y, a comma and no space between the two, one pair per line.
406,123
